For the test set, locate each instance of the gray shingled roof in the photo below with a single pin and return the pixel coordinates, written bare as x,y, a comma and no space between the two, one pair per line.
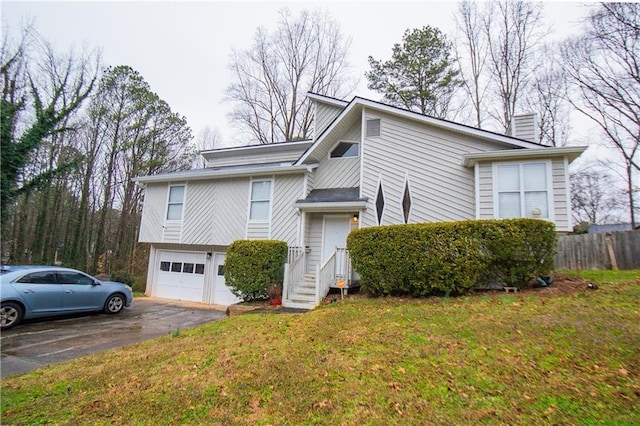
333,195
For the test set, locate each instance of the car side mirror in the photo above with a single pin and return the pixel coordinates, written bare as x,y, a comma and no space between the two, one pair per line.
95,283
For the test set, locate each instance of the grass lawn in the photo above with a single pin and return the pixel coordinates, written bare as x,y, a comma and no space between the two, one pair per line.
497,359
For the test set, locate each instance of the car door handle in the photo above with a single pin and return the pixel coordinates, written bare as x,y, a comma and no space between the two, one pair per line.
68,291
29,291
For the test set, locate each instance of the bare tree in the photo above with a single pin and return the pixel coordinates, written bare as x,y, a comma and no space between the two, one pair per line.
548,97
42,94
471,53
604,68
593,198
305,53
208,138
513,30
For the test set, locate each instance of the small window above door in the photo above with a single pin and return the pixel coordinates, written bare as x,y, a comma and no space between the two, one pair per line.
345,150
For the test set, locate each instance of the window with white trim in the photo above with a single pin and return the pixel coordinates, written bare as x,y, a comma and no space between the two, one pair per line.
176,201
260,200
522,190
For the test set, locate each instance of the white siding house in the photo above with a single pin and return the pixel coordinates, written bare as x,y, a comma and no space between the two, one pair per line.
368,164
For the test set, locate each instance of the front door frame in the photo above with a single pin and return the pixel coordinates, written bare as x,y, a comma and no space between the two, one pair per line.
347,225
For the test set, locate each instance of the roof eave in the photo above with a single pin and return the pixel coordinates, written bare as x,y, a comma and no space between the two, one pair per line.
329,206
570,152
216,174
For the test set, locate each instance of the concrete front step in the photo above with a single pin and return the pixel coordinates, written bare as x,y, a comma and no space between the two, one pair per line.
300,304
302,297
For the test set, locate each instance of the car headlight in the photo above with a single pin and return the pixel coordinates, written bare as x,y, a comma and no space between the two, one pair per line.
128,288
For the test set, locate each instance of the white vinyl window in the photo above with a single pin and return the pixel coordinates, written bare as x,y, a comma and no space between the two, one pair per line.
260,200
176,201
523,190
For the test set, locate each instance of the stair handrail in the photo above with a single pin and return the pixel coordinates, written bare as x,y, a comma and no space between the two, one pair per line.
325,277
343,264
294,271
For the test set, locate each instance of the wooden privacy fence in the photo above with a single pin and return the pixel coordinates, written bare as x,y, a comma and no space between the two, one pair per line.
617,250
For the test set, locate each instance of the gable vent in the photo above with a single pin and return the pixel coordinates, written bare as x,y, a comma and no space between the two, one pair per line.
373,127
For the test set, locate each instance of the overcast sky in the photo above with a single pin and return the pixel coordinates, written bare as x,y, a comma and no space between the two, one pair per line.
181,48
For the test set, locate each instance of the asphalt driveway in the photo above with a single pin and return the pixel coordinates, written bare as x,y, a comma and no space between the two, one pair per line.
36,343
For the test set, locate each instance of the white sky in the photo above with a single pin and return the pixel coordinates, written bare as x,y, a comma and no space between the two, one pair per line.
181,48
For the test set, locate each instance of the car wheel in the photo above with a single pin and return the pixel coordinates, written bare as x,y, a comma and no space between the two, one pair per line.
114,304
11,314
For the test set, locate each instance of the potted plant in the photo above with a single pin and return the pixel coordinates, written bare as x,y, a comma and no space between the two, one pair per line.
274,291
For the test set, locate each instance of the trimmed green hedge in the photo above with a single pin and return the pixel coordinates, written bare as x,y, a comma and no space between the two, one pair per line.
252,265
451,257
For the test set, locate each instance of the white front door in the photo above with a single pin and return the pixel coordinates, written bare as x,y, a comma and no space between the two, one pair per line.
335,231
222,295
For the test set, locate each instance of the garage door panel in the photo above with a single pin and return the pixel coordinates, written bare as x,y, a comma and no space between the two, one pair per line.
181,276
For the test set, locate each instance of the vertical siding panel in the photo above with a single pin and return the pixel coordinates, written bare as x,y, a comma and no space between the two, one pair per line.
153,213
287,189
442,189
230,210
198,213
256,158
325,114
560,188
486,191
338,173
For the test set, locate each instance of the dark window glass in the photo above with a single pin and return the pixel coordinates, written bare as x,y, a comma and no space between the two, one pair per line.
165,266
188,268
176,266
345,149
39,278
380,203
220,269
73,278
199,268
406,203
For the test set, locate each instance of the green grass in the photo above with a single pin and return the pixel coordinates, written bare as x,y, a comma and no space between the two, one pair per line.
605,275
492,359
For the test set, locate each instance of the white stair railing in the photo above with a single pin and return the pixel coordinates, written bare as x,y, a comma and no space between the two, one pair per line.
325,277
294,270
343,265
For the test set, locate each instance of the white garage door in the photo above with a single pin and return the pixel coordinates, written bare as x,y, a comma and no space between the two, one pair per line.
180,275
222,295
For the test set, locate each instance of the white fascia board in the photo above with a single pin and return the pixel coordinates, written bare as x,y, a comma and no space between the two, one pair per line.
213,174
326,132
414,116
331,206
327,99
449,125
570,152
279,146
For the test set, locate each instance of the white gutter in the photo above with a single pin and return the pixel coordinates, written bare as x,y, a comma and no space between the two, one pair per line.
204,174
570,152
329,206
